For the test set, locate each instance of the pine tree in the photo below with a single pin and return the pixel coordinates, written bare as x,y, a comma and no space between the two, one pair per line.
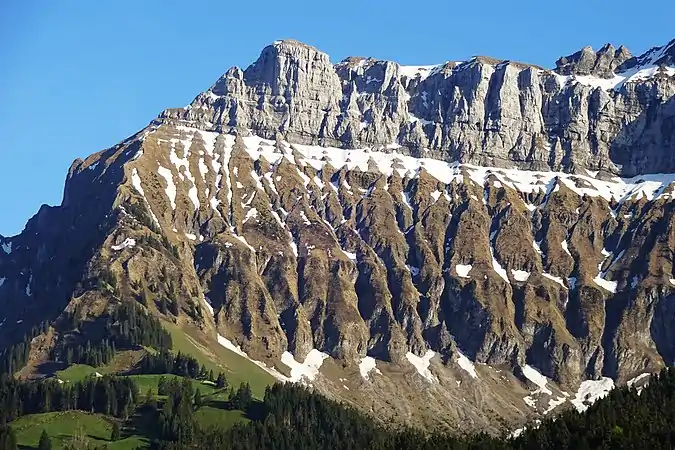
45,441
161,386
150,400
115,433
221,382
198,399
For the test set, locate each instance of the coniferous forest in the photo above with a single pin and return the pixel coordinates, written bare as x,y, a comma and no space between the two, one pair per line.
291,417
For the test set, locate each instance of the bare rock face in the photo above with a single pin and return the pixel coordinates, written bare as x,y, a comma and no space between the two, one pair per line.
482,111
469,210
602,63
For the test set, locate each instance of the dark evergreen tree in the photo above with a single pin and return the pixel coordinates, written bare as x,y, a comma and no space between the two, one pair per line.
115,433
45,442
221,381
198,402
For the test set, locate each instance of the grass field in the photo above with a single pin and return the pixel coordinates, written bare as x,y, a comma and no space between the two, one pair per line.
215,417
62,426
145,382
78,372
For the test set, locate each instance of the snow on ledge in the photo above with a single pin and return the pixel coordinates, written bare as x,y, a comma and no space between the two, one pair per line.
463,270
554,278
637,379
368,365
520,275
422,364
128,243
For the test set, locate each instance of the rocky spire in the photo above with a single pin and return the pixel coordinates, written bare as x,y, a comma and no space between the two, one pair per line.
602,63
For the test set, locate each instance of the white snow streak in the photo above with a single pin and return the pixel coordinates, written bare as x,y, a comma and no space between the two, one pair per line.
170,186
467,365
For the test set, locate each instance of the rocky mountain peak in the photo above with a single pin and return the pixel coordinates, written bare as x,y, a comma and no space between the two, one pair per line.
409,219
586,61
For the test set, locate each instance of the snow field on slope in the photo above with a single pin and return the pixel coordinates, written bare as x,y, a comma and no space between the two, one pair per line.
591,391
422,364
536,378
648,186
466,364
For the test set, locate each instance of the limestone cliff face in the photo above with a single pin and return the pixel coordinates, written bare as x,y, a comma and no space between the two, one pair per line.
482,111
368,209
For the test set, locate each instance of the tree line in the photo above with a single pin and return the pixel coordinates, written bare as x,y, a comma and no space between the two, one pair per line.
14,357
108,395
127,326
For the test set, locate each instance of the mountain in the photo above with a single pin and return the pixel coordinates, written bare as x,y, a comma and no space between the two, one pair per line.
487,234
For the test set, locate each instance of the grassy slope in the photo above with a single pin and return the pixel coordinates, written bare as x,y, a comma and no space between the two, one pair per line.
61,426
213,355
216,357
145,382
78,372
209,416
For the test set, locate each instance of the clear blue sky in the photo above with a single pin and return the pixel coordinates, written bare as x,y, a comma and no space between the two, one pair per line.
78,76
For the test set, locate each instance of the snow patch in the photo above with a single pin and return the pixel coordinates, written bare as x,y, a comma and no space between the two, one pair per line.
422,364
553,403
467,365
538,379
308,370
29,286
520,275
565,247
554,278
349,255
207,302
236,349
591,391
128,243
637,379
305,220
251,214
170,186
368,365
463,270
7,247
413,72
